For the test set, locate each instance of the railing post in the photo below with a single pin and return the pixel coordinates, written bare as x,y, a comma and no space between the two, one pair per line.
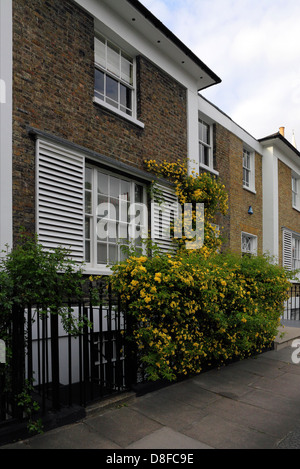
55,361
18,358
131,366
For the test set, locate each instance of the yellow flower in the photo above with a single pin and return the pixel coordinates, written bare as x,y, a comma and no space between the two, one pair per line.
157,277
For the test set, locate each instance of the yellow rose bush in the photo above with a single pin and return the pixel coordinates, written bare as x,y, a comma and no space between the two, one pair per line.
198,308
193,311
196,188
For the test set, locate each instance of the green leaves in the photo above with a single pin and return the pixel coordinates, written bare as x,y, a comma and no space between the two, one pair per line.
30,275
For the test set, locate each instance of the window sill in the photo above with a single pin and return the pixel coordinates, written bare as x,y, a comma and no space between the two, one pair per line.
208,168
119,113
100,270
296,208
249,189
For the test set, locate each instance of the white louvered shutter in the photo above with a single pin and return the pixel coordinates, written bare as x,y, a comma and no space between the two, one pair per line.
60,198
164,209
287,249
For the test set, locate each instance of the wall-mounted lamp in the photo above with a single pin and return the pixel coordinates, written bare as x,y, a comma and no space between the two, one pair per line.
250,211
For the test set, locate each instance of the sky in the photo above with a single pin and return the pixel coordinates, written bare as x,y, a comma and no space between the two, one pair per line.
254,47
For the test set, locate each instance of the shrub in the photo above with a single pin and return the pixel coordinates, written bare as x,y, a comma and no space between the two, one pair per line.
31,275
194,310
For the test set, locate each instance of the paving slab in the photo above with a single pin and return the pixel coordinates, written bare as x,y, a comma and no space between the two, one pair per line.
167,439
189,392
78,436
122,426
222,433
168,412
227,381
248,415
273,402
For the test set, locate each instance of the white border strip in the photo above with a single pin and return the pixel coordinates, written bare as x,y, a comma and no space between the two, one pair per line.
6,38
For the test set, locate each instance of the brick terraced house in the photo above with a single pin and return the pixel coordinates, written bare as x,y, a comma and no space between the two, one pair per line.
93,88
90,89
281,167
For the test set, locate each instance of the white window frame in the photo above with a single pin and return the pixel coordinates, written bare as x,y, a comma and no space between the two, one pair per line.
295,192
91,262
249,183
116,77
295,252
253,239
207,145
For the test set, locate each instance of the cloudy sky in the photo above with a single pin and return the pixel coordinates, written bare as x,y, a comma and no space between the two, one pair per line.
254,47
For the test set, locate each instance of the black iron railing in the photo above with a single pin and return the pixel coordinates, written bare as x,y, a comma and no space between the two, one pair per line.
66,369
292,305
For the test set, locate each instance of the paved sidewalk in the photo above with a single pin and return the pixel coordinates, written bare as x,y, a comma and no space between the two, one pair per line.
252,404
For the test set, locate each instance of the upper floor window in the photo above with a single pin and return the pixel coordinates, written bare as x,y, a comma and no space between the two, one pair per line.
248,170
205,145
114,78
295,192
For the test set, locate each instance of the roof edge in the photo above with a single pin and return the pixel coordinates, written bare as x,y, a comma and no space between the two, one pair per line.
168,33
279,136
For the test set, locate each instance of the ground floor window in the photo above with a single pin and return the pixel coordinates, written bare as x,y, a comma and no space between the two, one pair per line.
114,216
249,244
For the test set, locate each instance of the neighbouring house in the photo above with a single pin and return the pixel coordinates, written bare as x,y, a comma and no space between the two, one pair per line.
281,194
233,155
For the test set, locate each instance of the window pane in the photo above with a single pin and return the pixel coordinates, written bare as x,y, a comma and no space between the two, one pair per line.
206,156
87,228
113,253
114,209
138,193
204,153
114,187
123,253
99,84
100,51
88,178
125,99
102,229
102,183
102,253
102,207
87,256
124,210
123,231
113,59
125,190
112,91
126,69
88,202
204,132
112,231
